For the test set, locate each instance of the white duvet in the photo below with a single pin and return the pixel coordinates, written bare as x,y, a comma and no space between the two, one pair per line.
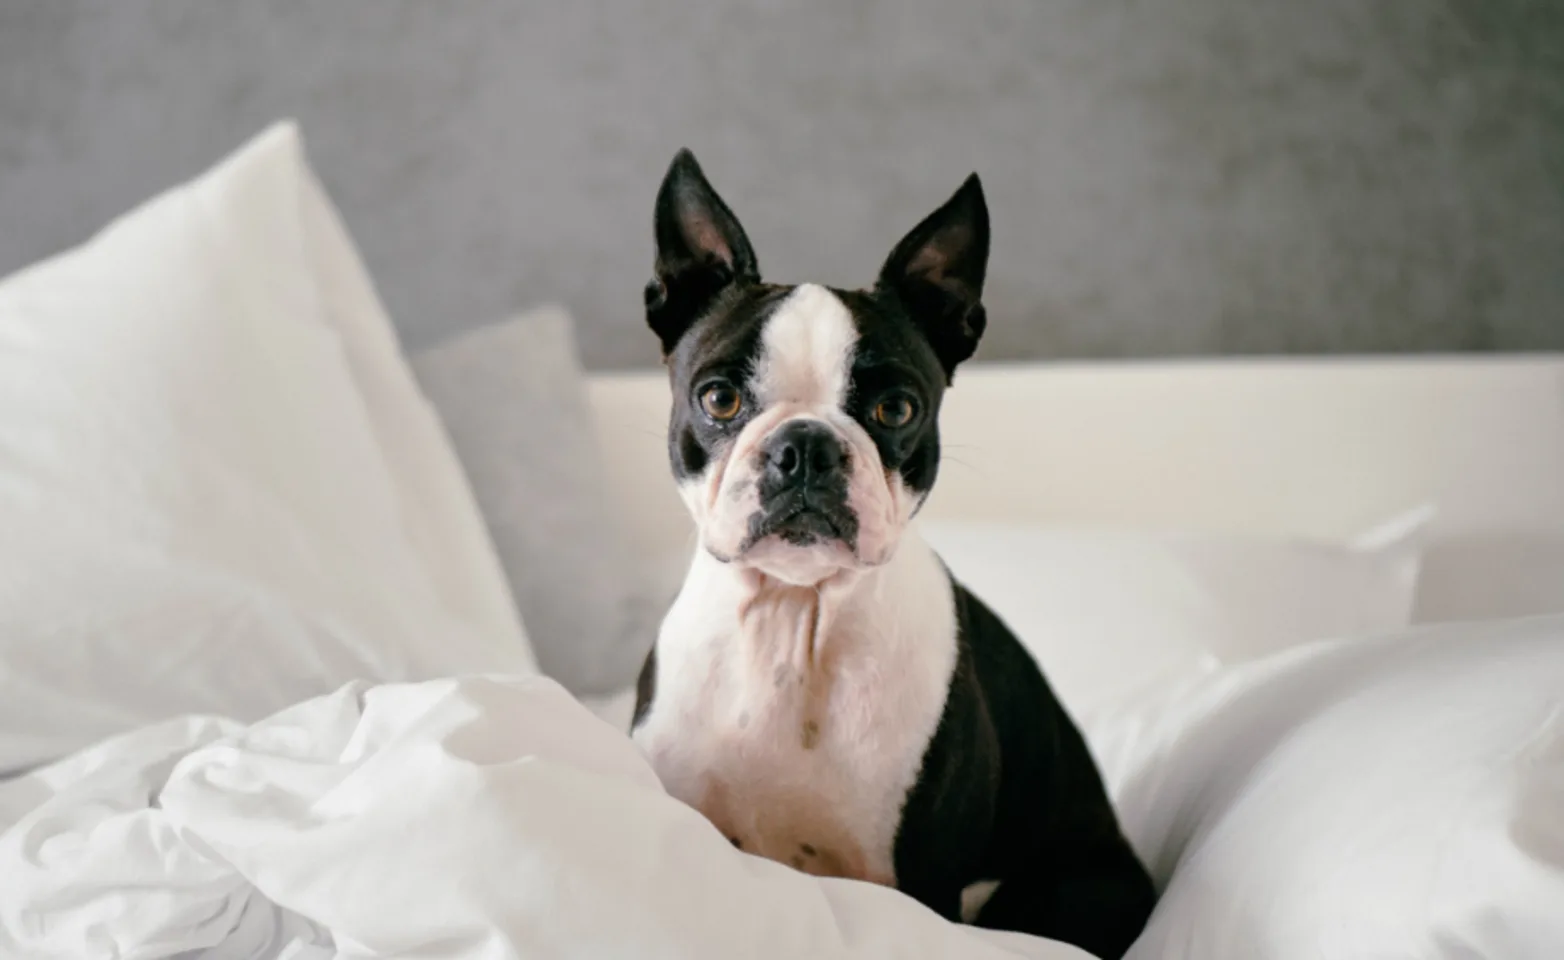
1401,796
470,818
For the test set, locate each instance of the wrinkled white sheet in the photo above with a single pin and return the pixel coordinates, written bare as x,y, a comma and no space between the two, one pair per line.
466,819
1394,797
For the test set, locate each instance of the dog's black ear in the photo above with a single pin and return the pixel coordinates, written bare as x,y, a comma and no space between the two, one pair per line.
701,249
937,270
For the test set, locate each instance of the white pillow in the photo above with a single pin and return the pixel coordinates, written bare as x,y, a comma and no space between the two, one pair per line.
513,398
190,463
1392,797
434,499
1113,615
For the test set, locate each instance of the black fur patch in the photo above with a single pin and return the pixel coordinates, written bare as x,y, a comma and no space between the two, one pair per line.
1009,792
645,687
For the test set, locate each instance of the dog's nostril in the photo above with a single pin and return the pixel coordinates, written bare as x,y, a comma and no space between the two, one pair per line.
825,457
787,458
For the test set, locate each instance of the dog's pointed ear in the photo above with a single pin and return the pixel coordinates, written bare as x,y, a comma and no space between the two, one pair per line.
701,249
937,271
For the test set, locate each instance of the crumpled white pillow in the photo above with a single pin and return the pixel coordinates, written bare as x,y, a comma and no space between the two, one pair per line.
1114,615
513,397
200,512
1399,796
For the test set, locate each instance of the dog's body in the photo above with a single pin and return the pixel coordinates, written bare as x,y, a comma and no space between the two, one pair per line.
821,689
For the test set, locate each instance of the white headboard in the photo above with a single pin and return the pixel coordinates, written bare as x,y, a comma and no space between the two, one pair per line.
1317,448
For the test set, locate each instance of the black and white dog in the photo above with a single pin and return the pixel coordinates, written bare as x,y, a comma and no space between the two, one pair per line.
821,689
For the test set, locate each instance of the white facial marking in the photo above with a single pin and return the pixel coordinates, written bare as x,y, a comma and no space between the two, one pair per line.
806,352
802,371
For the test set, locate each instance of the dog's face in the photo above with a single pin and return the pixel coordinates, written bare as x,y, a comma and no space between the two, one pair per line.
804,431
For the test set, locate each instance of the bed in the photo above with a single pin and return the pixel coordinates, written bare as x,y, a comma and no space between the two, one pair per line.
1315,448
276,597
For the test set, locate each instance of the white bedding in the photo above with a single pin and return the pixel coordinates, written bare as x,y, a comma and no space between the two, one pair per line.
472,818
1385,797
220,489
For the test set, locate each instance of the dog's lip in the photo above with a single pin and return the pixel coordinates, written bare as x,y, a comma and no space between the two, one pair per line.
799,507
807,520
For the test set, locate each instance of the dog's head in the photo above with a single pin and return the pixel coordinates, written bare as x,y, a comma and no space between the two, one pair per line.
804,431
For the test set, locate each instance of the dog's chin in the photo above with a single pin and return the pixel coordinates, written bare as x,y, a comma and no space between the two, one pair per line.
801,541
807,550
800,563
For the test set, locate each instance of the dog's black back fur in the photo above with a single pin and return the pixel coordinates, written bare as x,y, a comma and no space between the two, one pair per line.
1009,792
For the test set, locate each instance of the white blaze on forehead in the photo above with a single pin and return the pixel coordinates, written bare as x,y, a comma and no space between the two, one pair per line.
806,350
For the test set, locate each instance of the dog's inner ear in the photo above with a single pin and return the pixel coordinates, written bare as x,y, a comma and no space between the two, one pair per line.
701,250
937,271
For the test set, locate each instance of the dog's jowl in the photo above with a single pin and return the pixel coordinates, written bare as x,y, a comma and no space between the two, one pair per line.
821,689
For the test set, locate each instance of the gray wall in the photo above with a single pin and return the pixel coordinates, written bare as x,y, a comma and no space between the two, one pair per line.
1168,177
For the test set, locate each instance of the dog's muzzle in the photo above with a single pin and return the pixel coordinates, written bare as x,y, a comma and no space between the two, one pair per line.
803,487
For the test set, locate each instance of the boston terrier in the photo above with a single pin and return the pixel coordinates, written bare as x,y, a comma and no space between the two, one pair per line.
822,689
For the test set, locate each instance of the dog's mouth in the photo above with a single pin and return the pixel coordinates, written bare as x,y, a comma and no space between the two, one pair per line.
803,520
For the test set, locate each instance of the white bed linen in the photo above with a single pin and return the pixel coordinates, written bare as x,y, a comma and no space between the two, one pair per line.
1397,796
1393,796
460,819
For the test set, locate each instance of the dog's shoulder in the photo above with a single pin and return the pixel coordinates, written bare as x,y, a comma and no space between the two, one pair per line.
990,759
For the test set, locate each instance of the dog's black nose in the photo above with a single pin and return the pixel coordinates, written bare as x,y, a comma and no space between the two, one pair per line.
803,452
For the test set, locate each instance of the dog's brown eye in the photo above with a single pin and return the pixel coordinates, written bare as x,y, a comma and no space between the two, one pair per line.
895,412
721,401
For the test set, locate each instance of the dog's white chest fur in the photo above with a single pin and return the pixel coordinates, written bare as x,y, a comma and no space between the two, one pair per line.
797,721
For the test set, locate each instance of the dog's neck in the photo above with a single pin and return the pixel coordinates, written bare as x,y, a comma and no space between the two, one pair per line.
793,622
799,626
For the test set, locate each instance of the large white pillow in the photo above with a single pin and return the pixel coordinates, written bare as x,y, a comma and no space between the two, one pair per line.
1113,615
434,500
513,398
219,488
1392,797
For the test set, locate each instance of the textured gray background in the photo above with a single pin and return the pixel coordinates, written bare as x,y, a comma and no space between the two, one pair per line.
1168,177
